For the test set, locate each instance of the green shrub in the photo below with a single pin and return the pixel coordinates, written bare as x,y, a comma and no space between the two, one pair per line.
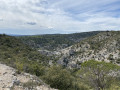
30,85
19,67
98,74
58,78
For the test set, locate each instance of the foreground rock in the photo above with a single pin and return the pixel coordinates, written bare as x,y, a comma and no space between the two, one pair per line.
10,80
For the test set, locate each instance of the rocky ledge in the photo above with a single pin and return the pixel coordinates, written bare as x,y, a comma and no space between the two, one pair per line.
10,80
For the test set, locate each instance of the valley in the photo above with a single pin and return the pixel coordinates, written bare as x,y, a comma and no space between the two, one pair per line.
100,46
60,61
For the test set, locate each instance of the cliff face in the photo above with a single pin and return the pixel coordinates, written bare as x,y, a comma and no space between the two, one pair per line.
102,47
11,80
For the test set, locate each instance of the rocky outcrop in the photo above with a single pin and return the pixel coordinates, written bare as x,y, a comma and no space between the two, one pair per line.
10,80
102,47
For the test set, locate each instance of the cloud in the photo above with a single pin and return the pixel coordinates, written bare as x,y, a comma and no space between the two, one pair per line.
31,23
63,16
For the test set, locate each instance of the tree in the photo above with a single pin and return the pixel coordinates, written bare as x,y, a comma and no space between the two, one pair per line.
58,78
99,75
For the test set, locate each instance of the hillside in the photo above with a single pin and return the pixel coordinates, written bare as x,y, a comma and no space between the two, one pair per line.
11,46
14,53
104,46
53,42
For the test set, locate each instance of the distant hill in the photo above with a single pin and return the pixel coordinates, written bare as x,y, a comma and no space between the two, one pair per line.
104,46
55,42
16,35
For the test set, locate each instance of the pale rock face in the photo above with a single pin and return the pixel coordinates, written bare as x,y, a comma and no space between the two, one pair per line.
6,77
10,80
83,51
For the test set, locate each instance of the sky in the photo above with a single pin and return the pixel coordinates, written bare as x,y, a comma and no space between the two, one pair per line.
30,17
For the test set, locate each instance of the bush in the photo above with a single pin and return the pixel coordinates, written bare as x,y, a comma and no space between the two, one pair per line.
58,78
100,75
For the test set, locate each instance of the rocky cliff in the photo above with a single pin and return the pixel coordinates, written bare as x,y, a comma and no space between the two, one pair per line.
104,46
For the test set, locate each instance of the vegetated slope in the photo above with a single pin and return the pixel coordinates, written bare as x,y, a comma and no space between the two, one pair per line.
14,53
104,46
55,42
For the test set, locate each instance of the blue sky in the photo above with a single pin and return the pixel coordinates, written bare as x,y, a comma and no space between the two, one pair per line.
58,16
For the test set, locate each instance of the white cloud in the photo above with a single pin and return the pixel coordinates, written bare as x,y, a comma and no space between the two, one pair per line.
63,15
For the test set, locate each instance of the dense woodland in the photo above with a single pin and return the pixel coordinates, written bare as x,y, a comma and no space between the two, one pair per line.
92,75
